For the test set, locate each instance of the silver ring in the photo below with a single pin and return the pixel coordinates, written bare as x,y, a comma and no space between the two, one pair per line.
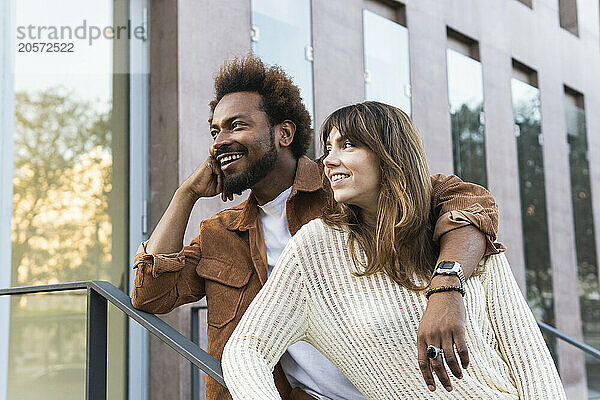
434,352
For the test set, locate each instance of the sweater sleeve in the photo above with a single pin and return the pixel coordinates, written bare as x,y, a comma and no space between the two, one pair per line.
519,338
276,318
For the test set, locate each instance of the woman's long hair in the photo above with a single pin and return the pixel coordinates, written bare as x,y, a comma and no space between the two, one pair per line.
400,245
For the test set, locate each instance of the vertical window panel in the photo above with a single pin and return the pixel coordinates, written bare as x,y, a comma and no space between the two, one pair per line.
465,96
585,239
567,12
538,266
281,35
386,58
70,192
528,3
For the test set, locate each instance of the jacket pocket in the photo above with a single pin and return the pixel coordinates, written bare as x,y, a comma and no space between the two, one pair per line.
225,284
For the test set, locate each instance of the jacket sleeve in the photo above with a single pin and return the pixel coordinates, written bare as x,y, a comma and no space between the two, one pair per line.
519,338
276,318
165,281
455,203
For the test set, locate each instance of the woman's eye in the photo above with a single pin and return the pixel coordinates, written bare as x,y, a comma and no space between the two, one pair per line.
348,144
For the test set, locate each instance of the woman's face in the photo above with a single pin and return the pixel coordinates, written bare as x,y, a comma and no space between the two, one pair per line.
353,172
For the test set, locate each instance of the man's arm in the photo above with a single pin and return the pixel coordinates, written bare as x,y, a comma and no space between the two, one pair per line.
466,228
165,276
167,237
443,322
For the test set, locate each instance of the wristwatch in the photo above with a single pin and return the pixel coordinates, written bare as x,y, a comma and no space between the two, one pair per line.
450,268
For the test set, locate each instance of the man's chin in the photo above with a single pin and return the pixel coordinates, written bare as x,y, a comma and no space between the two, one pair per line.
235,182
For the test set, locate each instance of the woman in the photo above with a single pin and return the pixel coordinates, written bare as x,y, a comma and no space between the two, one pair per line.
352,283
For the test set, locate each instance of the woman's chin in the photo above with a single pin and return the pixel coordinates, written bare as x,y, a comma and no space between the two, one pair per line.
339,198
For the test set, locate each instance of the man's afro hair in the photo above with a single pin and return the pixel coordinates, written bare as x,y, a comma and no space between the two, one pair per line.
280,97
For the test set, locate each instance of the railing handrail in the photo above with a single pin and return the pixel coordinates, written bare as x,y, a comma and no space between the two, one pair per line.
182,345
580,345
151,322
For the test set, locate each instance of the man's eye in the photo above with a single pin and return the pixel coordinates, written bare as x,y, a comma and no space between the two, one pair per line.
214,134
348,144
236,124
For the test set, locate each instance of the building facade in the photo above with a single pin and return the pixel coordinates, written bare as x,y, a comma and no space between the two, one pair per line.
506,93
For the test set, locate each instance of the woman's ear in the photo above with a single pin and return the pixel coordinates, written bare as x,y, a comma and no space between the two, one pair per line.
287,130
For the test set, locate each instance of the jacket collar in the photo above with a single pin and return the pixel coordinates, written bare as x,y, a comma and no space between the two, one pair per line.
309,178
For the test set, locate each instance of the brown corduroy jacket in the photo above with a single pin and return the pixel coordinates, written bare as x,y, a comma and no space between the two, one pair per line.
227,261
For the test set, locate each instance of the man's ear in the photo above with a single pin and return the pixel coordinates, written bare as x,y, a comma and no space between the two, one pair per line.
287,131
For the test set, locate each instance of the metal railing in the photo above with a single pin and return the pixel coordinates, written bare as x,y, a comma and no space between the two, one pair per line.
195,372
99,293
580,345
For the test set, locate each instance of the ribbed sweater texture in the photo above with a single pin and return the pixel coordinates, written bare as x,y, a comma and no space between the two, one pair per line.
367,326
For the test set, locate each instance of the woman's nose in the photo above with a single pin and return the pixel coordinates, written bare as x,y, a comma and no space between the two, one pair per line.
331,159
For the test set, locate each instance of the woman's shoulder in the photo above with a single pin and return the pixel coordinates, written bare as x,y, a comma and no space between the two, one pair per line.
493,266
318,232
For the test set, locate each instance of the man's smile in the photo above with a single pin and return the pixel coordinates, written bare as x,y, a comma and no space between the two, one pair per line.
227,157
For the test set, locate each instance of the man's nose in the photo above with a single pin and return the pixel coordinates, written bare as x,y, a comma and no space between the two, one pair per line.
223,138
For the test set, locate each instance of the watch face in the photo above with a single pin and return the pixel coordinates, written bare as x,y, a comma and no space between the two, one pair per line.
446,265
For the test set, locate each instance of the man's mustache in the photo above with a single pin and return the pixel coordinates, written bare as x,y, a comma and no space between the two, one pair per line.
230,149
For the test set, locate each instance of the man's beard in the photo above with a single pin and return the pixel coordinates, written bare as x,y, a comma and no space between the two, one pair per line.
255,171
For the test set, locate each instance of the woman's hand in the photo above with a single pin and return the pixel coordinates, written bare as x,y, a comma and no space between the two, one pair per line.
443,325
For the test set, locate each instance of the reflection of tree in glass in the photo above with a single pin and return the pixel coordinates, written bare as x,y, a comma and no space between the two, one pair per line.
582,202
62,179
468,140
538,271
61,231
585,241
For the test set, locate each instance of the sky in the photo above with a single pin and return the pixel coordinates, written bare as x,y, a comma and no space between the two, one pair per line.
88,70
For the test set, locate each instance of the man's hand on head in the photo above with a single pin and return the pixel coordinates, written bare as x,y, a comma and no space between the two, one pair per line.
205,181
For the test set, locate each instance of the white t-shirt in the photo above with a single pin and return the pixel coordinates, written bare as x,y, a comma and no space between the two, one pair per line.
303,365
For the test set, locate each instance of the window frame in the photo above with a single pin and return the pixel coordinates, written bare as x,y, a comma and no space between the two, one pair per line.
7,124
137,336
397,15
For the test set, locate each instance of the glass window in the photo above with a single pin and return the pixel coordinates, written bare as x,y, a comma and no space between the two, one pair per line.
538,268
281,35
528,3
70,199
387,66
585,239
567,12
465,95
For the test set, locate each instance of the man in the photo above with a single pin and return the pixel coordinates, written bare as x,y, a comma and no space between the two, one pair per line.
261,132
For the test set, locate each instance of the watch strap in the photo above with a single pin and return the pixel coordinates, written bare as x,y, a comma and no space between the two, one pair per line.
455,270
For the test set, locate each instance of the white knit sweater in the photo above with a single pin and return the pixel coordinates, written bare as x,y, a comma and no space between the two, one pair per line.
367,326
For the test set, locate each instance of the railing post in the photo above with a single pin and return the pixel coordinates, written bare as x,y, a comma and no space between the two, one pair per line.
195,339
95,365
